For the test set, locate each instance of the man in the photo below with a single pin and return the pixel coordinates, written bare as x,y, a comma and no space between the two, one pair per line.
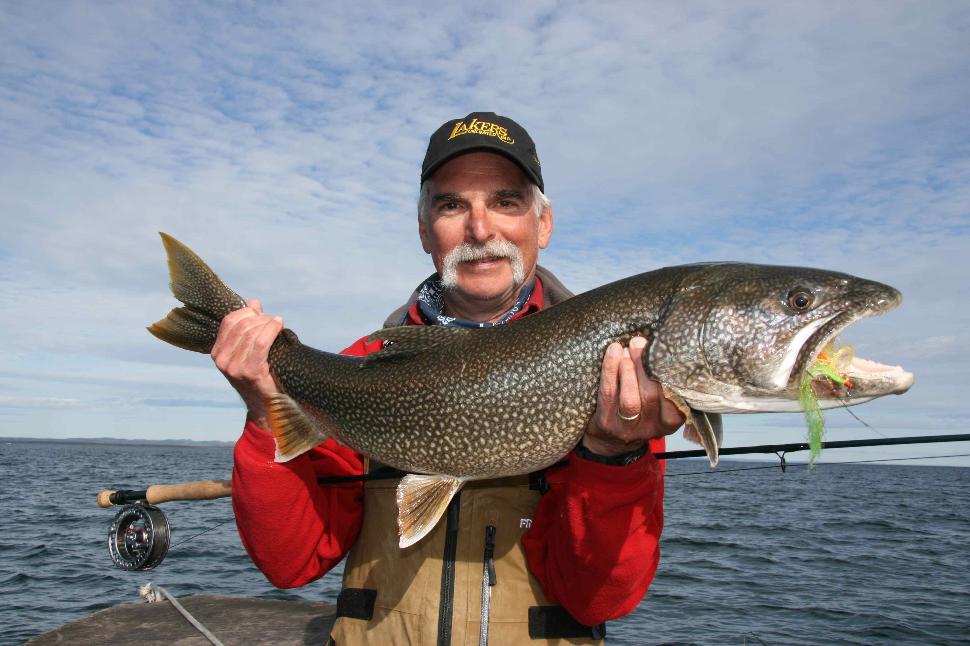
547,557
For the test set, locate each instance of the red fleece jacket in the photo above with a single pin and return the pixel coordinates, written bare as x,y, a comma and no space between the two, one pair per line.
593,545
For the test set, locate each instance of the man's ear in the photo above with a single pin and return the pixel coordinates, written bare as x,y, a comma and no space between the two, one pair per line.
545,227
424,235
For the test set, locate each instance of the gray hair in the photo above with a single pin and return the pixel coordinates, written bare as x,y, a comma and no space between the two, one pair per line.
539,200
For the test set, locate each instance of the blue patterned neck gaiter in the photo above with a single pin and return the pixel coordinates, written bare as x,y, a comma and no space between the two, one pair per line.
431,300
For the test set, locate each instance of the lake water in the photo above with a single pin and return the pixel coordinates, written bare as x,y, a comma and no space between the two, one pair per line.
844,554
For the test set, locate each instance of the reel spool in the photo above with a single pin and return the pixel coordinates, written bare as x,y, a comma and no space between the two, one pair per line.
139,537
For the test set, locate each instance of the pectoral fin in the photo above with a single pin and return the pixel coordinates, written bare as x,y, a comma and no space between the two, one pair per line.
700,427
421,500
295,430
705,429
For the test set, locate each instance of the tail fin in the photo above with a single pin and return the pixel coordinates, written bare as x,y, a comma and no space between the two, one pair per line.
207,300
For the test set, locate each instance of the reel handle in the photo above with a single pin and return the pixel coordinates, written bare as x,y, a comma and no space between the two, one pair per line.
200,490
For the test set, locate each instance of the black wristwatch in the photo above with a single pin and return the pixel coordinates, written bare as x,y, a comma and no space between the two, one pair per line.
620,460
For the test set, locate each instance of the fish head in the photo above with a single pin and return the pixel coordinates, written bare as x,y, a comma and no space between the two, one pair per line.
740,338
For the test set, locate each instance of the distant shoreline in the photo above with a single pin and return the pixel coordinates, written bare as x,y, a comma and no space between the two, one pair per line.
116,440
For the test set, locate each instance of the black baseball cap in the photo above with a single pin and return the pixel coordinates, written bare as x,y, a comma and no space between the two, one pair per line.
482,131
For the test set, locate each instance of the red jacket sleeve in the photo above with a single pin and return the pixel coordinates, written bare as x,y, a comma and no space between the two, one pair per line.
294,529
594,544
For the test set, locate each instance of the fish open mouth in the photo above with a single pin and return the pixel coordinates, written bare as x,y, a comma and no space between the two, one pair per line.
838,377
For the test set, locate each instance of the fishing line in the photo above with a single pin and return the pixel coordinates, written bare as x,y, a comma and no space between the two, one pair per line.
918,457
845,405
186,540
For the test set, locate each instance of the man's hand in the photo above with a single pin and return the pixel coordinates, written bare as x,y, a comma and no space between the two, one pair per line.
240,352
631,407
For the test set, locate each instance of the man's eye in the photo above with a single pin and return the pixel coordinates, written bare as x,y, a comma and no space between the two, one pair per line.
506,204
449,206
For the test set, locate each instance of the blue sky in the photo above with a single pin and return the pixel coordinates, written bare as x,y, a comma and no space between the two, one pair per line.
283,143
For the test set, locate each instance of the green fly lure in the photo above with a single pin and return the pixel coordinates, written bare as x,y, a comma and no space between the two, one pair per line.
828,371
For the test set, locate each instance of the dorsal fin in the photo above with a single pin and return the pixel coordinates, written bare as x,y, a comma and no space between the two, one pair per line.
407,341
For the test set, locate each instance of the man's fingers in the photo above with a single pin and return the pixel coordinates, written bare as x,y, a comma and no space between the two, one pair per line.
253,308
251,331
629,401
651,393
647,388
232,318
233,349
259,340
670,415
609,383
244,347
638,346
630,407
226,337
265,337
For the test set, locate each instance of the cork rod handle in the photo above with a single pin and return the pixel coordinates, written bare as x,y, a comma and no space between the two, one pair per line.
201,490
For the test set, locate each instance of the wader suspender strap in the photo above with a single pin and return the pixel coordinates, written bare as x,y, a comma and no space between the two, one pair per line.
446,602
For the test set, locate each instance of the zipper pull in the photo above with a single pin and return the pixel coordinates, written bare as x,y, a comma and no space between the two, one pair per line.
490,553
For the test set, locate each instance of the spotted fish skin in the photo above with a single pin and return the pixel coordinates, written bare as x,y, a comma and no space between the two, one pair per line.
512,399
470,403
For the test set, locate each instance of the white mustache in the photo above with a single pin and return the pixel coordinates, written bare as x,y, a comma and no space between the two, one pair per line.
467,252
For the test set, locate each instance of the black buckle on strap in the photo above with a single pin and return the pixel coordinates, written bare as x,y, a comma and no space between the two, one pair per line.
553,622
537,481
356,603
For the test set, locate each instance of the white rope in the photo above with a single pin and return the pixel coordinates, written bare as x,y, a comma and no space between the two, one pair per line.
153,594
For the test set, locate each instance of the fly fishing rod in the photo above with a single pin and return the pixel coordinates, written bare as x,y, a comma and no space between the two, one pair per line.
139,537
803,446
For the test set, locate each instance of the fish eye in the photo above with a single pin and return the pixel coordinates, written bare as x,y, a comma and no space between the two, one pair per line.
800,299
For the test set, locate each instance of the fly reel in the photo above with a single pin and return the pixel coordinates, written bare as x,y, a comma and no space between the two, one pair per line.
139,537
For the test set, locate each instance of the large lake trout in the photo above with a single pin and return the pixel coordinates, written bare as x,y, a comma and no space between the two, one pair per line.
453,404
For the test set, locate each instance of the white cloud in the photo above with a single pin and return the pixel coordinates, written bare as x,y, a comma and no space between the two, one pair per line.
7,401
283,143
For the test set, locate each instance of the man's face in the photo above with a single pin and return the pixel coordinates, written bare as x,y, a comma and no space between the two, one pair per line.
476,199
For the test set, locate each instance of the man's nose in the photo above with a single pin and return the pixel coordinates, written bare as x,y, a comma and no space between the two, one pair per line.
479,227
